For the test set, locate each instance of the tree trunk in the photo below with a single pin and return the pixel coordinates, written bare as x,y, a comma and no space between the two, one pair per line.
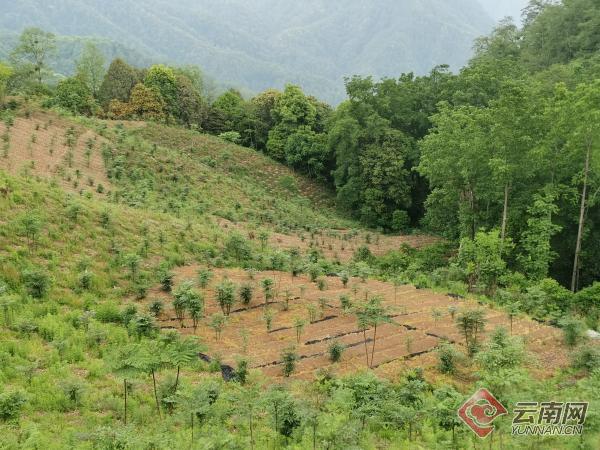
251,432
177,378
156,393
574,276
504,215
366,348
373,348
125,401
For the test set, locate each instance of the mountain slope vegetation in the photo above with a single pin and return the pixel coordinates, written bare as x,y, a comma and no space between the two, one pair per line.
184,270
266,44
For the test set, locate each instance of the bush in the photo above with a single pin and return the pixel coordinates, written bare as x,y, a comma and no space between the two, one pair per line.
74,95
108,313
241,372
587,358
226,296
345,302
238,248
363,254
166,280
156,307
321,284
335,350
142,325
204,277
587,301
85,280
400,221
231,136
11,404
36,282
421,281
289,357
447,356
245,294
128,313
73,391
573,331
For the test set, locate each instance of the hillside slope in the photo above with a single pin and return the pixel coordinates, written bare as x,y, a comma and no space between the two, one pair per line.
266,43
94,344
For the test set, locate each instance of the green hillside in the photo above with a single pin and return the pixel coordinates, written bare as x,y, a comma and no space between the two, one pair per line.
180,269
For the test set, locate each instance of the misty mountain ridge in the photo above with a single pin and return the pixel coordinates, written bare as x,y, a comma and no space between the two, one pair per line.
267,43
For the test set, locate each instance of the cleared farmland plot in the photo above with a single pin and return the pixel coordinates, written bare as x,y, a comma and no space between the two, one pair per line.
420,321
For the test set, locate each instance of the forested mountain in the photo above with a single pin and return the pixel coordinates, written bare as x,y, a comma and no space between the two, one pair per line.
266,43
69,49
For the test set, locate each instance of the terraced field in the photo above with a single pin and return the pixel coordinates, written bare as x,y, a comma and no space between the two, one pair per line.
50,147
421,320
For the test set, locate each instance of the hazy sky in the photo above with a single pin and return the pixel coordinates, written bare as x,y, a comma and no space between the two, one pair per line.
499,9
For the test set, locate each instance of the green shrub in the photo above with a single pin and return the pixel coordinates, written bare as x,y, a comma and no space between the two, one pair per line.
447,358
363,254
127,314
166,280
345,302
85,280
289,357
36,282
587,358
245,294
204,277
142,325
400,221
156,307
335,350
108,313
241,371
11,404
573,331
321,284
231,136
421,281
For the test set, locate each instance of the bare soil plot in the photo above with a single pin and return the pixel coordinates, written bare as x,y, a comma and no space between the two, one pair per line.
39,146
410,340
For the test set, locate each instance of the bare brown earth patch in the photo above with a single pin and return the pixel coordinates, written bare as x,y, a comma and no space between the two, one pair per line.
50,147
409,341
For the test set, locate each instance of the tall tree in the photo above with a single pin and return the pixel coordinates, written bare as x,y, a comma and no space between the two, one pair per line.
162,80
292,110
118,82
513,134
5,74
456,167
91,67
581,117
537,253
146,103
33,50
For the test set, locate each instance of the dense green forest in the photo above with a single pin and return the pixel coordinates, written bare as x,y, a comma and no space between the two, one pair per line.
500,162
